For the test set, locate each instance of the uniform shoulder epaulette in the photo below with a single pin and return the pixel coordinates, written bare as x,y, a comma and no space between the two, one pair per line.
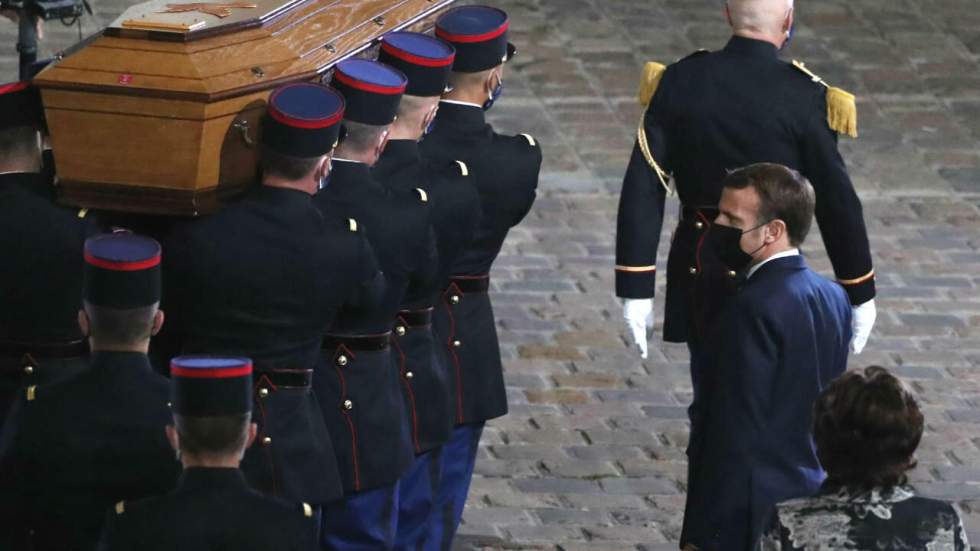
841,104
422,195
82,213
651,75
530,140
463,169
31,392
307,510
120,507
352,224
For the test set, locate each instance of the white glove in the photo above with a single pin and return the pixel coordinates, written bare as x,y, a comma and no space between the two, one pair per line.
638,313
863,319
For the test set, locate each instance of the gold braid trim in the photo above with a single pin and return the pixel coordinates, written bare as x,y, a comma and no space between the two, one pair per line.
641,138
635,269
858,280
841,105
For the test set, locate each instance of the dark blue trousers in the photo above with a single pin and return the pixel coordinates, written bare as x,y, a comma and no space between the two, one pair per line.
458,460
363,521
417,494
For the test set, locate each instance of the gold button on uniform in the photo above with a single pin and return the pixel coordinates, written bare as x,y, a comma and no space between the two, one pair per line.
699,225
692,270
341,360
263,392
409,375
400,331
29,370
454,299
732,274
457,344
348,405
266,441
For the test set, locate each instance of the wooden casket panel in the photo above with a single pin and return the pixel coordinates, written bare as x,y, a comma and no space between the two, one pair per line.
145,125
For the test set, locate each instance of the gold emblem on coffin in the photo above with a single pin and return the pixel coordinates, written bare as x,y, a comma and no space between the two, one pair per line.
217,9
183,17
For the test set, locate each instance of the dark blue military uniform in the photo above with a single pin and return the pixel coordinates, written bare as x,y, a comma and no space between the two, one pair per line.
718,111
212,509
71,450
264,278
41,276
504,170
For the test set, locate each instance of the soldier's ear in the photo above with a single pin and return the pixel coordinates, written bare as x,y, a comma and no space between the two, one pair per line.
253,429
173,437
728,15
157,322
83,322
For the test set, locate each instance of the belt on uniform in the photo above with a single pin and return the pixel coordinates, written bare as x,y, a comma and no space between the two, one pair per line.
412,319
357,343
71,349
471,284
285,378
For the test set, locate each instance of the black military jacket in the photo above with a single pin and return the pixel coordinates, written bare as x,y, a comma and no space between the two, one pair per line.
398,227
212,509
455,206
72,450
505,171
715,112
41,272
264,277
504,168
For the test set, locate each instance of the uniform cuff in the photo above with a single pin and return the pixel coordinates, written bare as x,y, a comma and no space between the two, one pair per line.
859,293
636,284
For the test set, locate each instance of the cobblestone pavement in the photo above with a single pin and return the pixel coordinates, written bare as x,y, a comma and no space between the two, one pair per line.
591,455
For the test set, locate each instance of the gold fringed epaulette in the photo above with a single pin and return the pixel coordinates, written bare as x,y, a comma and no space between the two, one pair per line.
649,81
841,105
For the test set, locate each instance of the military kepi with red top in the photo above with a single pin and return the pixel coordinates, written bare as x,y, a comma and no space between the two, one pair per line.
303,120
211,386
372,89
20,105
122,270
479,34
426,61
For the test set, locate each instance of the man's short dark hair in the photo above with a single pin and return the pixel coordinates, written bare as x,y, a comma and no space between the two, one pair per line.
360,137
218,435
120,327
866,429
784,194
286,167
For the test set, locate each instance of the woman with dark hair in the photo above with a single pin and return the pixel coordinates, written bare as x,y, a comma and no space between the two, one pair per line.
866,429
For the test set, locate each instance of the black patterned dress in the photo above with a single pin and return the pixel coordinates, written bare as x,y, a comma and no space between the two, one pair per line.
894,519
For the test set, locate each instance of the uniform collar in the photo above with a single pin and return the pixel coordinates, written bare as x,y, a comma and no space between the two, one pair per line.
467,114
281,195
350,177
120,360
210,478
751,47
401,150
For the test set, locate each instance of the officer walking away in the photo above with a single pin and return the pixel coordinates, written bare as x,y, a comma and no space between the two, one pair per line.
41,242
212,508
264,279
71,450
505,172
694,131
359,385
454,207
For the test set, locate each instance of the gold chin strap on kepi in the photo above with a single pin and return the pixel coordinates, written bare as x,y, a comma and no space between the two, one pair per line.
649,81
841,105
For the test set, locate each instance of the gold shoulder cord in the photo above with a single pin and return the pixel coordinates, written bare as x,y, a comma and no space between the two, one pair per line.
649,81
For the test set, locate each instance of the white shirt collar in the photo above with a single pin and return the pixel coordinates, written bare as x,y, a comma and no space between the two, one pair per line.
338,159
784,254
468,104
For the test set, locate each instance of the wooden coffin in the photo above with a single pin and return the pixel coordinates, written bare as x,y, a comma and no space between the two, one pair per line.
160,113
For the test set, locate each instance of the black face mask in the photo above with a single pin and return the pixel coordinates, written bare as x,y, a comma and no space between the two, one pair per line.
726,241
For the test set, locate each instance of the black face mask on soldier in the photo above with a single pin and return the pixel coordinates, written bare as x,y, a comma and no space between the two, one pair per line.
726,241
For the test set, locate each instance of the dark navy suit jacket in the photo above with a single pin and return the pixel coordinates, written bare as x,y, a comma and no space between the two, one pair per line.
773,349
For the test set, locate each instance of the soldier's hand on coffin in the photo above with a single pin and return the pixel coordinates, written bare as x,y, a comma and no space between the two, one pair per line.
863,320
638,314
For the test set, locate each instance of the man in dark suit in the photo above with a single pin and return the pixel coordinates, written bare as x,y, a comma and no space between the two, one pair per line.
71,450
264,278
505,172
774,347
359,385
716,111
212,509
41,243
454,208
